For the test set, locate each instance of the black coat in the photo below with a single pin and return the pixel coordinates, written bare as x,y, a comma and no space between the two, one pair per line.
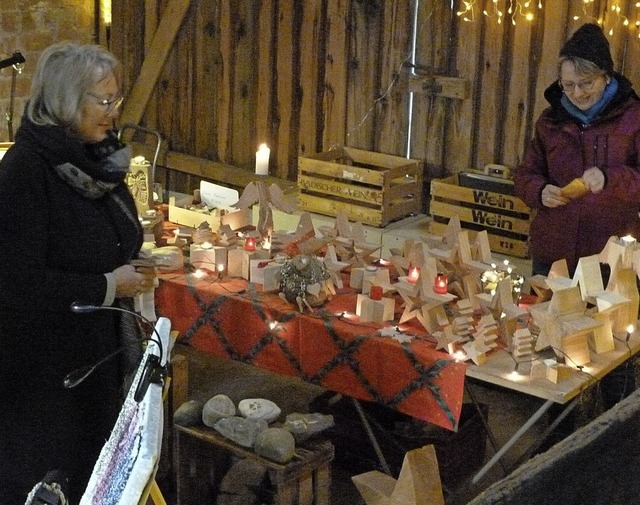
55,246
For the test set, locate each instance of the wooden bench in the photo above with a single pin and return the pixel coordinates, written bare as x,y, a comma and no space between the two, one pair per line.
203,457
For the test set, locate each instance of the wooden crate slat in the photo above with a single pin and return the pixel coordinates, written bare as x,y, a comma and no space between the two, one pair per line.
322,205
450,189
497,243
334,188
481,216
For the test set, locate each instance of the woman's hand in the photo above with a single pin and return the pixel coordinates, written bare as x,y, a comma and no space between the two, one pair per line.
552,196
132,281
594,179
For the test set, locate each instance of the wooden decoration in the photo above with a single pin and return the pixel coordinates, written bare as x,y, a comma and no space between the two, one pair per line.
334,265
140,182
601,339
207,256
266,273
417,484
265,197
623,281
377,311
238,263
522,343
616,304
575,344
588,277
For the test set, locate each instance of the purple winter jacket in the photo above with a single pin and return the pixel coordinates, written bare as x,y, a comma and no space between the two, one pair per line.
561,150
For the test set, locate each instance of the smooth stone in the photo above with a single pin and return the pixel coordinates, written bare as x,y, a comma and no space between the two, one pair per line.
276,444
243,484
303,426
259,408
216,408
241,430
189,413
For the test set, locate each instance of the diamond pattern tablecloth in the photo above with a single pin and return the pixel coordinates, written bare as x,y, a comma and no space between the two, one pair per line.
234,320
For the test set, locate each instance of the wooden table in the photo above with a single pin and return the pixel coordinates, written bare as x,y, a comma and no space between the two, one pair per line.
500,369
232,319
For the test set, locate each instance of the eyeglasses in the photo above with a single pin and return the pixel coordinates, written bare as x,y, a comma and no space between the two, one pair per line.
110,105
570,87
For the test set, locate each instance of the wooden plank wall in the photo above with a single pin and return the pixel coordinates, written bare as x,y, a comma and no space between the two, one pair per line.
306,75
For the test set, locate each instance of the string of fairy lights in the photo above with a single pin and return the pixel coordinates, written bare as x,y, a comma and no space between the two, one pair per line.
512,11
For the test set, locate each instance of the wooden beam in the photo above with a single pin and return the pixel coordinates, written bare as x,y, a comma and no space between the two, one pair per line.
163,39
221,173
438,85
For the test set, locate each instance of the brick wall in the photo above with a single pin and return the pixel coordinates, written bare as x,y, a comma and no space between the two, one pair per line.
29,26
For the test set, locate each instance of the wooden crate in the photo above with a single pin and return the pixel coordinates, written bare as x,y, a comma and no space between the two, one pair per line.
179,213
505,217
371,188
204,456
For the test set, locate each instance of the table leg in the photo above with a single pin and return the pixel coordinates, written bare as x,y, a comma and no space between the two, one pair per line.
523,429
372,436
487,429
546,433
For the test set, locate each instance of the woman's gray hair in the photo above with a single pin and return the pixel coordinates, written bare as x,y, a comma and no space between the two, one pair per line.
582,66
63,75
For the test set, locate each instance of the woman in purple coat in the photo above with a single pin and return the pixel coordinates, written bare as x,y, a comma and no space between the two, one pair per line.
591,131
69,231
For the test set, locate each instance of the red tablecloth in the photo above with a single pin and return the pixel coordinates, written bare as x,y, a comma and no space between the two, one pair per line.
231,319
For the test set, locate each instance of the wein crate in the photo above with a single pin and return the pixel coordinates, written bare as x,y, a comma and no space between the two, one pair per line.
482,204
371,188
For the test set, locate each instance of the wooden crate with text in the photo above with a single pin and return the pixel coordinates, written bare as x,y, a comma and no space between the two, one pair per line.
371,188
505,217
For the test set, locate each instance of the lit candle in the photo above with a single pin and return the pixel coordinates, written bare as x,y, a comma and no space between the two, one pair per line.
628,240
440,284
250,244
262,160
414,273
220,268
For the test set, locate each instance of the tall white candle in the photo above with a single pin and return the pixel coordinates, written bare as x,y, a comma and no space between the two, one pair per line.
262,160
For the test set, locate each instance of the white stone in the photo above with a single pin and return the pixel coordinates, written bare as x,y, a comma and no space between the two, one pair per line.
259,408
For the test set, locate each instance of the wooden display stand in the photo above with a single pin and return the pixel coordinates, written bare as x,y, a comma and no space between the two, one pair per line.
203,453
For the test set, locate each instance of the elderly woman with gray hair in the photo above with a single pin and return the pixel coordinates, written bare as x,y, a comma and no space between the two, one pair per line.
69,232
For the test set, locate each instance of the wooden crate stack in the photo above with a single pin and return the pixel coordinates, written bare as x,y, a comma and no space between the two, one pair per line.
505,217
371,188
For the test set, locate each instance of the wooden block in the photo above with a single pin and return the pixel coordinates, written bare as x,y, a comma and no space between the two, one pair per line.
558,372
377,311
601,340
208,257
576,348
266,273
238,263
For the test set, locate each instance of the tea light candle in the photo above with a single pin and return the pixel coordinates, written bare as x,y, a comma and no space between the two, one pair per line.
414,273
262,160
440,284
628,240
375,292
250,244
220,269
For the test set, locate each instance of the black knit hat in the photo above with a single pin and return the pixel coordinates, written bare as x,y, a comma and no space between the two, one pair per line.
589,43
